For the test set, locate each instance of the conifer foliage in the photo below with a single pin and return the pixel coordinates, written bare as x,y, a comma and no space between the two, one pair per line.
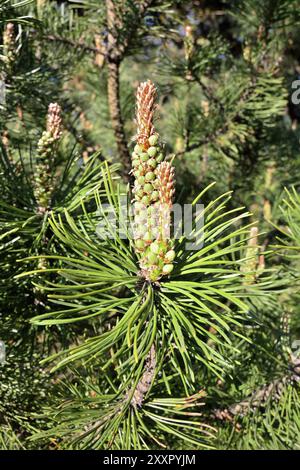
149,225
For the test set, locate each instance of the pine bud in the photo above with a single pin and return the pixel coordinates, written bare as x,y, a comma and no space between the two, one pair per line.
154,196
170,255
150,176
152,151
152,258
152,163
146,200
46,149
148,188
167,268
138,149
141,180
252,266
9,47
153,139
9,38
159,158
155,248
144,157
54,121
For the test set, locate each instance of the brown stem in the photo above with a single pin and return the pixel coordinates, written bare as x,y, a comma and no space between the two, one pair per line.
113,86
262,395
116,50
146,380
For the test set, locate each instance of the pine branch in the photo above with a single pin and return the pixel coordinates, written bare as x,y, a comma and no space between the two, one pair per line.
260,397
113,89
142,8
144,384
117,46
213,136
76,44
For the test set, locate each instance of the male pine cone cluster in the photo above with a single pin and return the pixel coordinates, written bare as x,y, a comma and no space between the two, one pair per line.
254,263
9,44
153,192
46,153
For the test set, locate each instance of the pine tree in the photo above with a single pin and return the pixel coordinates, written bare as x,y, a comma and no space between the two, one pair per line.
116,335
